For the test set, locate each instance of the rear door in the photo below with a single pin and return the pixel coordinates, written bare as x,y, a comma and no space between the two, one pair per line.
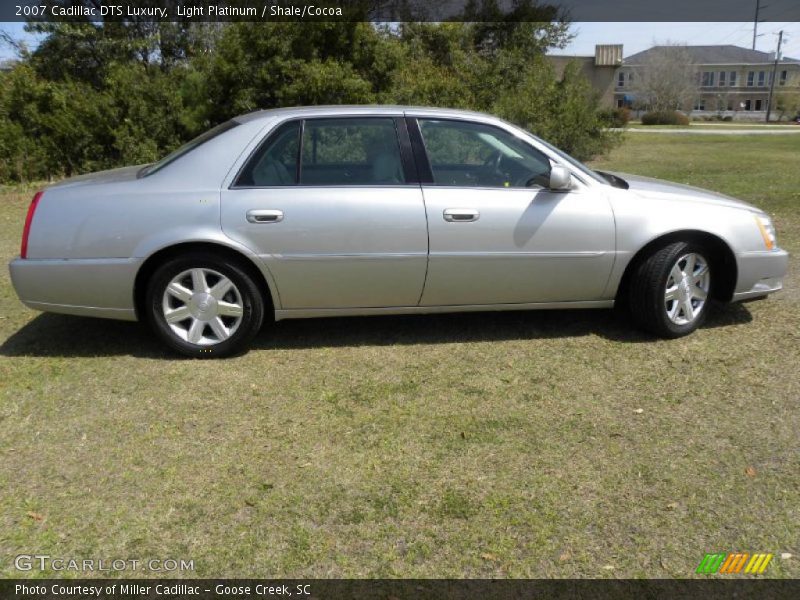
334,208
497,234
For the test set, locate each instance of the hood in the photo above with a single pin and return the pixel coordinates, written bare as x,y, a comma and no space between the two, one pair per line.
110,176
650,187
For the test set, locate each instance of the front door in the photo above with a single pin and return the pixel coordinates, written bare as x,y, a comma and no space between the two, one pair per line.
497,234
330,206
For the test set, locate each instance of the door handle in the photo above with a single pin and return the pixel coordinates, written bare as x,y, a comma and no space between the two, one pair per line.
458,215
264,216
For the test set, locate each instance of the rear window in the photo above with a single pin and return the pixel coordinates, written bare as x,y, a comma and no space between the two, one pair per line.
188,147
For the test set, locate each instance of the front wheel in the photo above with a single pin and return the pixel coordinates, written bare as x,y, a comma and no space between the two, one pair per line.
669,290
204,306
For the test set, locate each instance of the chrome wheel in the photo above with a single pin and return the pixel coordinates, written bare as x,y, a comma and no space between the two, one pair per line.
687,288
202,306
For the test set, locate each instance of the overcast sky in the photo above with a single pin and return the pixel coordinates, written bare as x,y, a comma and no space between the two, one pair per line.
635,37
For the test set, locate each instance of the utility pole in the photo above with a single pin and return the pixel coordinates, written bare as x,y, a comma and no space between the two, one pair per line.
755,23
774,72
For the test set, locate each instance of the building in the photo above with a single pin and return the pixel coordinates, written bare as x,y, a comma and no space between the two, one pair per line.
599,69
731,80
7,65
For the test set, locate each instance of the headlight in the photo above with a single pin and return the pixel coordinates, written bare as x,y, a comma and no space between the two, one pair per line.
767,231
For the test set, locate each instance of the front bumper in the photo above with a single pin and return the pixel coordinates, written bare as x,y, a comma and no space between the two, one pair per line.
760,273
85,287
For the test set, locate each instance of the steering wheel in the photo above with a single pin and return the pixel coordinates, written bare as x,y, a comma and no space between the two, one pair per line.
492,163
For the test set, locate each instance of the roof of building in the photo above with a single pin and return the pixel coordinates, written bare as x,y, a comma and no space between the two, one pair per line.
716,55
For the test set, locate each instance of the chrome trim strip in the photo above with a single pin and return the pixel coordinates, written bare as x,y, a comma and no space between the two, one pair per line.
305,313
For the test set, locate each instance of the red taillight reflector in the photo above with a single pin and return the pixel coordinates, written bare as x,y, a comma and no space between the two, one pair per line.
23,251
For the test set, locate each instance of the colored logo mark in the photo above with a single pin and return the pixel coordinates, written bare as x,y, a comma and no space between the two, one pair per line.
736,562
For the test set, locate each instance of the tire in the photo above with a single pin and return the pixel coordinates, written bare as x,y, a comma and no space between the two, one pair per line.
664,297
214,306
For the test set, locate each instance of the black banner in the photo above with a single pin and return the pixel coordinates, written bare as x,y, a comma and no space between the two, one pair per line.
398,589
399,10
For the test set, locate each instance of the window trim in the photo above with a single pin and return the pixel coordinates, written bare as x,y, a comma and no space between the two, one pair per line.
408,171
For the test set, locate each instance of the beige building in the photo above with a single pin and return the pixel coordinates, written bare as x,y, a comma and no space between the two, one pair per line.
731,81
599,69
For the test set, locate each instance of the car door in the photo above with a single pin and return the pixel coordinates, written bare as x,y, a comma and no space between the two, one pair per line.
497,234
333,207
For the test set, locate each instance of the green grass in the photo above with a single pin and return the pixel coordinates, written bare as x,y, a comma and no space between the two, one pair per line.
550,444
718,125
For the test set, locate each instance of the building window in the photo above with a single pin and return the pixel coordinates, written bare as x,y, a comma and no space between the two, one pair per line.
708,79
621,79
750,78
732,78
746,105
700,104
761,79
620,103
722,75
782,80
758,104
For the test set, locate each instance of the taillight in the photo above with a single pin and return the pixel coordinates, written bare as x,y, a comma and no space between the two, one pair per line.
23,251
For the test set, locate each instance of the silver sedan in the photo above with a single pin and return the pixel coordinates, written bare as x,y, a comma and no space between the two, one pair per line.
329,211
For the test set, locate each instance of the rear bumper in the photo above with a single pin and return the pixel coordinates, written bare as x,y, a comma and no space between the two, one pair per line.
760,273
85,287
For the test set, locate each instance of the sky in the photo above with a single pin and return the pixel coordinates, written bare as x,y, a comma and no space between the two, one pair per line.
634,37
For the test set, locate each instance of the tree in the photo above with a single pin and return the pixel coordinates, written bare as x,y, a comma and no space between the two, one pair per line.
666,79
97,95
788,104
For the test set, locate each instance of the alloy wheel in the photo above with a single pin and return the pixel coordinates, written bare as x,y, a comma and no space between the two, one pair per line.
202,306
687,288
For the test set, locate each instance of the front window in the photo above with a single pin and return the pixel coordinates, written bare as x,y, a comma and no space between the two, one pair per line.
782,80
475,155
732,78
722,75
750,78
621,79
708,79
761,78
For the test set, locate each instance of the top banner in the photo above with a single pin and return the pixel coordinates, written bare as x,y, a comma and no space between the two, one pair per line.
384,11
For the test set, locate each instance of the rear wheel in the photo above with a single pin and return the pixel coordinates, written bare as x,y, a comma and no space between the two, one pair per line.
204,306
669,290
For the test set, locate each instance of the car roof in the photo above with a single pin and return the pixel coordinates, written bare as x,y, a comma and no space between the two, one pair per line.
357,109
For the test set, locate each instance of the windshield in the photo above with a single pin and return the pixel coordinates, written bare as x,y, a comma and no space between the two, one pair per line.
575,163
187,147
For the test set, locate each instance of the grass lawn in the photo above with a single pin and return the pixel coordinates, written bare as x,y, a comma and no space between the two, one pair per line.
719,125
550,444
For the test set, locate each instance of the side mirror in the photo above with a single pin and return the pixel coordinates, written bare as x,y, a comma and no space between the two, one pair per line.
560,178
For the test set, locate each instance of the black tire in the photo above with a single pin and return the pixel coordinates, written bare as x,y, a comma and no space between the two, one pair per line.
252,305
646,301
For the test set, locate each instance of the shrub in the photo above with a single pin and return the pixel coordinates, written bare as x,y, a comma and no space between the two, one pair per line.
665,117
616,117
